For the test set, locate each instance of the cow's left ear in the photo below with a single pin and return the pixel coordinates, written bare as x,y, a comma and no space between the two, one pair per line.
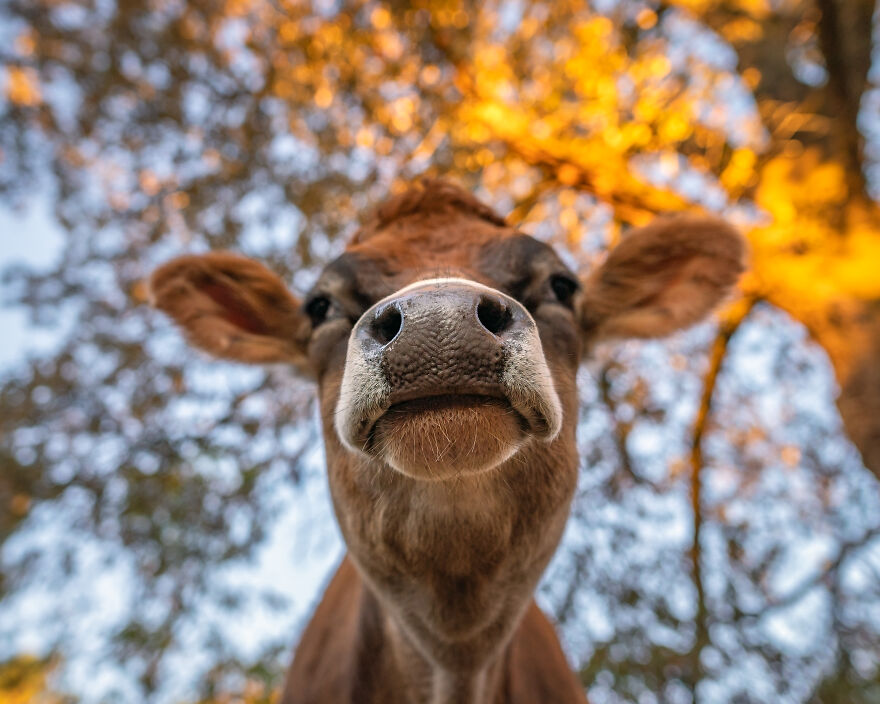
233,308
661,278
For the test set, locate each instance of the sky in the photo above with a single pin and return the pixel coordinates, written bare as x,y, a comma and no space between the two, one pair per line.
297,557
29,237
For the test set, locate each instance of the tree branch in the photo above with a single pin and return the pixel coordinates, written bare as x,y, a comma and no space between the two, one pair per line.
716,361
847,78
807,585
621,429
844,30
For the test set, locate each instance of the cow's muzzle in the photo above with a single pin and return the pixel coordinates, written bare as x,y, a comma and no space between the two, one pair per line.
445,373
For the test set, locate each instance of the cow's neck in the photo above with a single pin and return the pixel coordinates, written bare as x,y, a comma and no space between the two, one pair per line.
452,566
426,682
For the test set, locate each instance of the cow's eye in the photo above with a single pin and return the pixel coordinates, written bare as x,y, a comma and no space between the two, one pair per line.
564,288
317,309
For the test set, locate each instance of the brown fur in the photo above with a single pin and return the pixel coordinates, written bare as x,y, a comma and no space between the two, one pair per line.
663,277
345,639
431,197
232,307
434,604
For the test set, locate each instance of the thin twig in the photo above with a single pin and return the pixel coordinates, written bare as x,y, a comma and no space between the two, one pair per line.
807,585
716,361
621,429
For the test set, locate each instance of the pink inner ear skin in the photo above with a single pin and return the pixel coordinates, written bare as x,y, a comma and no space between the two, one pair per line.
234,310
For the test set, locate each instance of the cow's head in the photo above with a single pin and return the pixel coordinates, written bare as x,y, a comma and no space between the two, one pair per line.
444,342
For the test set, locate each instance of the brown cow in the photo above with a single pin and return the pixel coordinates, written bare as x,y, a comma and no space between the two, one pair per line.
445,345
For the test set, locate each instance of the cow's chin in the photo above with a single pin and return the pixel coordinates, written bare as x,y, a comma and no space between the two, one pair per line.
444,437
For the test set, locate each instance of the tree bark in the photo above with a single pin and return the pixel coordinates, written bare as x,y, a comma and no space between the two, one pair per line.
848,329
851,336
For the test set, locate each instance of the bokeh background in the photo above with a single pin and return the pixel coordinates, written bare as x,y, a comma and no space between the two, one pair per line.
164,524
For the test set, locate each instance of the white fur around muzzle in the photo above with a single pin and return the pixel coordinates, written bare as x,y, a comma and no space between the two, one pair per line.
525,378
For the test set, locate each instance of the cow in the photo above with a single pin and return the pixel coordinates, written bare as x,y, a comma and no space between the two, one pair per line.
445,345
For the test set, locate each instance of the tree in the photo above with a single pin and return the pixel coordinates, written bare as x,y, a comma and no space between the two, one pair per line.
268,126
24,680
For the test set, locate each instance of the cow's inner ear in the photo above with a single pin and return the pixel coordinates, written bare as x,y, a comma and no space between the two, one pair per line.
233,308
662,278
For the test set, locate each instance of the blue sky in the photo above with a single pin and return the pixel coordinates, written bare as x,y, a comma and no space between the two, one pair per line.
31,237
297,557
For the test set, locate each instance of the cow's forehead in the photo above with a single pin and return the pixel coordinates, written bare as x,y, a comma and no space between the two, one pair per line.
430,242
429,202
435,229
503,259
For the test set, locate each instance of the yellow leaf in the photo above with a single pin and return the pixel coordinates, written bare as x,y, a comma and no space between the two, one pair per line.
22,86
742,29
646,18
380,18
24,680
323,97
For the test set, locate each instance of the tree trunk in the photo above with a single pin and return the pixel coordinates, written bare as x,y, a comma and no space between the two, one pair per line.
841,31
851,336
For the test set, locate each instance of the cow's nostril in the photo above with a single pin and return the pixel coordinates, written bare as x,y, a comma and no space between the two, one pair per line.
387,324
494,315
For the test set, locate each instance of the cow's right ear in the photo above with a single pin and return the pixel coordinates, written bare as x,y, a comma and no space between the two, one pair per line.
233,308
